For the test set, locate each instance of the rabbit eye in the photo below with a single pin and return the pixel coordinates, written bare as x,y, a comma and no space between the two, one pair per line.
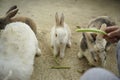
93,36
55,35
98,50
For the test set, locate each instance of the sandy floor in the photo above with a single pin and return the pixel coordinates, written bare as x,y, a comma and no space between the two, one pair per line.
77,12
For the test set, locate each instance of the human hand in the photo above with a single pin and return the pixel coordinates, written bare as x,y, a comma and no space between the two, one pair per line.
113,34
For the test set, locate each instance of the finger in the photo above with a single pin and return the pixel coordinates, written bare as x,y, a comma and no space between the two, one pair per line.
110,29
114,40
105,36
115,33
108,39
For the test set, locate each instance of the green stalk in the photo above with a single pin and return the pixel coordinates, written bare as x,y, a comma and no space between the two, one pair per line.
60,67
91,30
56,60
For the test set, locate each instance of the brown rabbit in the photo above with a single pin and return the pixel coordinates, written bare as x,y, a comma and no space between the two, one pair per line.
9,17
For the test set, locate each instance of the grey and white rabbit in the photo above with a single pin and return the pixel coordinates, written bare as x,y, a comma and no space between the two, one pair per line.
60,36
92,45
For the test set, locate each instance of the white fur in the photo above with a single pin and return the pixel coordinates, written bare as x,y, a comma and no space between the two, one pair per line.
18,46
60,42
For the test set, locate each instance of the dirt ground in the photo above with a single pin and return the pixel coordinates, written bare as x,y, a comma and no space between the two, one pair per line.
77,13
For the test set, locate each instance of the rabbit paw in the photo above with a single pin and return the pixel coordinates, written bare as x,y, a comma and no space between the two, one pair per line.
38,52
61,55
69,44
80,55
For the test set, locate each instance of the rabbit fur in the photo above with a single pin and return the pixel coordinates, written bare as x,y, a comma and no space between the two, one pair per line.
18,46
93,46
60,36
9,17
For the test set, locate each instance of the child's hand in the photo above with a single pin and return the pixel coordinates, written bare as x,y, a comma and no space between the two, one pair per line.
113,34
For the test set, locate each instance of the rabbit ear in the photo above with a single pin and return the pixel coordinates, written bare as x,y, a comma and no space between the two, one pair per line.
62,20
88,39
57,19
11,14
11,8
103,27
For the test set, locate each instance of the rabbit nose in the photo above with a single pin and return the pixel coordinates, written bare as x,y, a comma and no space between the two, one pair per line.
60,42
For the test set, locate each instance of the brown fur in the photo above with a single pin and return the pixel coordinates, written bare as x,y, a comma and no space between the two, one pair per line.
26,20
11,8
9,17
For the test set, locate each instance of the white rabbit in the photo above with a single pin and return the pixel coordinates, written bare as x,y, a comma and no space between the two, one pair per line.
9,18
92,45
18,46
60,36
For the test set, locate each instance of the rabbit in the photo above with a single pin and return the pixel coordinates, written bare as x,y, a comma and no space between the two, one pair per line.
18,47
93,46
9,17
60,36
